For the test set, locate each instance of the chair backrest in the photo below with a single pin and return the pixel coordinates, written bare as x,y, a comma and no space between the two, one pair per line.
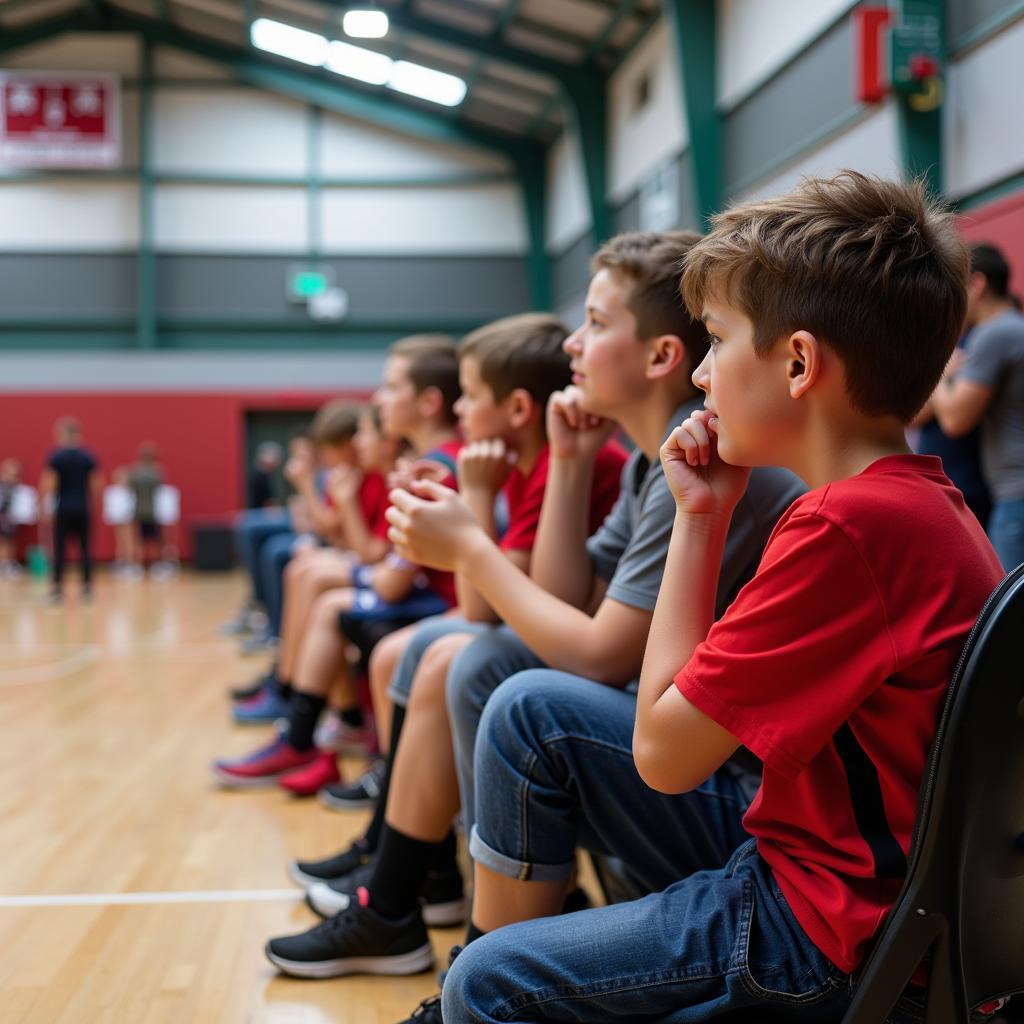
963,900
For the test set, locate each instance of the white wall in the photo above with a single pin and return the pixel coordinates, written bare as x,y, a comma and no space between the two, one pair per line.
230,218
983,122
756,36
449,219
871,146
90,216
568,212
351,148
229,131
642,140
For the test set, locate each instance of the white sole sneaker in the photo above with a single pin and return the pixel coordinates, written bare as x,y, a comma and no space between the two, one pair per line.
418,960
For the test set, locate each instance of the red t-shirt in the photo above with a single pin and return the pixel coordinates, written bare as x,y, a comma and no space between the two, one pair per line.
831,665
524,495
373,503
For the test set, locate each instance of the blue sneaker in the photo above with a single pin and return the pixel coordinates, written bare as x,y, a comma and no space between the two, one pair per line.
266,706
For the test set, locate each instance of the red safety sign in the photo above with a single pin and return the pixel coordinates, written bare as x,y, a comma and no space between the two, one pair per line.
59,119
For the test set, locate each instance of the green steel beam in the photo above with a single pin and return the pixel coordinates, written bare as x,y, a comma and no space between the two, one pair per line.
533,176
920,118
146,297
692,24
314,182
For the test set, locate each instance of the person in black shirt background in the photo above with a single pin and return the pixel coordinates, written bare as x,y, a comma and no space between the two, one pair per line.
71,476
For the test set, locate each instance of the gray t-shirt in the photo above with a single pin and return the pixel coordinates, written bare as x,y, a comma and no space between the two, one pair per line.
630,547
995,358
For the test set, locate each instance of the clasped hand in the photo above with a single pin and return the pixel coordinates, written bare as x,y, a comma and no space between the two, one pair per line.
430,524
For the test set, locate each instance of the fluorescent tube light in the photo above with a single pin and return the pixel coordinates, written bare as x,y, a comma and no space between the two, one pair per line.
427,84
370,24
358,62
289,41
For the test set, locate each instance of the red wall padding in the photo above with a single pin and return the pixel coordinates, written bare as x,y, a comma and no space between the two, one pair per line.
201,439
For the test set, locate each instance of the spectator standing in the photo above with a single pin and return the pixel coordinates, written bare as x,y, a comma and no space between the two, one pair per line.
71,476
145,478
986,386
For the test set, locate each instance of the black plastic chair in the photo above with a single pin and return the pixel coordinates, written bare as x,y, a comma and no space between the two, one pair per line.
962,905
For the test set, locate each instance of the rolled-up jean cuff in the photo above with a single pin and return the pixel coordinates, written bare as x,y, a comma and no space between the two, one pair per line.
398,696
521,870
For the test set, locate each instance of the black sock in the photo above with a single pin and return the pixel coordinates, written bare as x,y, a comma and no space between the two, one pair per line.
444,854
352,716
305,712
283,687
372,837
399,872
473,933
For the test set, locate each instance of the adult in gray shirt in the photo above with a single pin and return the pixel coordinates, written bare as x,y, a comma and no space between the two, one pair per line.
987,387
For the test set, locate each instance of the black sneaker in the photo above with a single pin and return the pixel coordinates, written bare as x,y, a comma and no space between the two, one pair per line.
355,796
341,865
442,899
255,688
428,1012
356,941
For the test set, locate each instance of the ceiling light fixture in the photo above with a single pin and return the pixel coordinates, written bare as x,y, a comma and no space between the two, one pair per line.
357,62
427,84
365,24
289,41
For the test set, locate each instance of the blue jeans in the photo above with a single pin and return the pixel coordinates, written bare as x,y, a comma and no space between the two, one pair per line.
252,528
1006,531
428,631
275,554
555,771
474,675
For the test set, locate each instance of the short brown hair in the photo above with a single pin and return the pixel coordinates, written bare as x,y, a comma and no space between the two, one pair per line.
335,423
523,351
652,262
433,363
873,268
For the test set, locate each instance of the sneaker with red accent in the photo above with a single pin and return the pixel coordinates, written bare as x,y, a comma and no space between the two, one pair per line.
263,766
309,779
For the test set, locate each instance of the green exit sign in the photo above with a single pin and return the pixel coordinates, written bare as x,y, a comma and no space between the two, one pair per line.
303,283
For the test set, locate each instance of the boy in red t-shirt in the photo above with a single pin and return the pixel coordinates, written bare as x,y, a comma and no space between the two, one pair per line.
831,312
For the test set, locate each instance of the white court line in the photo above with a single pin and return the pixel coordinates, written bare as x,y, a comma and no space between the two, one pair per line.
113,899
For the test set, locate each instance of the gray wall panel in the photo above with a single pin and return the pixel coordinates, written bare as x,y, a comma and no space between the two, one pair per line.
813,92
965,16
254,286
57,287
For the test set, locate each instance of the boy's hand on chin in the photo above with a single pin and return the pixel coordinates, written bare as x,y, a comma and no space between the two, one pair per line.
699,480
485,466
574,433
430,524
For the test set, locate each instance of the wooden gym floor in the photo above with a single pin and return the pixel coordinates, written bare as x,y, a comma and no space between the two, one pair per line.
132,888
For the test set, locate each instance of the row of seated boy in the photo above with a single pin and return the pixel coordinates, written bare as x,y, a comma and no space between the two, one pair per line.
729,682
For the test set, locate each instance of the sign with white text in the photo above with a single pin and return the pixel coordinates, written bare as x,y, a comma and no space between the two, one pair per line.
60,119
